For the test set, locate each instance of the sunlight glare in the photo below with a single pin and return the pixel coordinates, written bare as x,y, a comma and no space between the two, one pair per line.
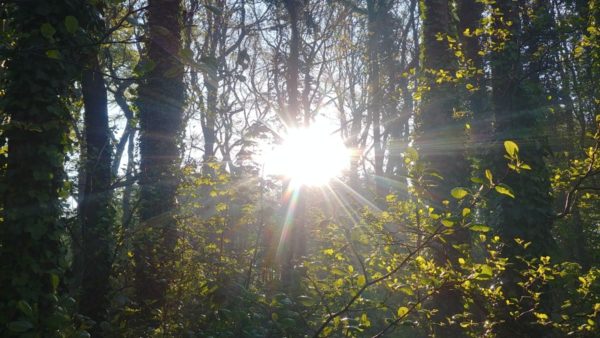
308,156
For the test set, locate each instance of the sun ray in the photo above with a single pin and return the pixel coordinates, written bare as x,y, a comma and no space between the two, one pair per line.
309,156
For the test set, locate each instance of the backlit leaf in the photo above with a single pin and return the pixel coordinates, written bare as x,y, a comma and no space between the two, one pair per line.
511,148
459,193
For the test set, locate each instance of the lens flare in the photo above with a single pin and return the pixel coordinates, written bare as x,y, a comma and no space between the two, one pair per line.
308,156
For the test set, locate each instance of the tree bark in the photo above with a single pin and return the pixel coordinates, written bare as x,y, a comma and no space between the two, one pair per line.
39,75
441,143
96,209
529,215
161,100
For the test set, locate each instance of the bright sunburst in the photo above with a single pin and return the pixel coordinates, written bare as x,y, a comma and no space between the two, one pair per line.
308,156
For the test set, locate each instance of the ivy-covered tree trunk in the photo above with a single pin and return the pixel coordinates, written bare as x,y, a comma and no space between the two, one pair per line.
528,216
441,145
96,209
161,100
469,14
40,71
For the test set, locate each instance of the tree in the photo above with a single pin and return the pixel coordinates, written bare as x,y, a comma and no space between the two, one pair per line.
96,208
40,72
441,141
527,216
160,102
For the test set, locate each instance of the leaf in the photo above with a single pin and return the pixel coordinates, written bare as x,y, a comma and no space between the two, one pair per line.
54,280
466,212
488,175
447,223
480,228
306,300
402,311
504,190
20,326
361,280
486,270
459,193
288,322
25,308
47,30
511,148
71,23
411,153
53,54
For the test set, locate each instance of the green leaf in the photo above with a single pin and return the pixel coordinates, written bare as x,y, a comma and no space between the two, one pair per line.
54,280
71,23
486,270
361,280
488,175
447,223
511,148
306,300
480,228
504,190
20,326
25,308
288,322
459,193
525,166
47,30
402,311
411,153
466,212
53,54
476,180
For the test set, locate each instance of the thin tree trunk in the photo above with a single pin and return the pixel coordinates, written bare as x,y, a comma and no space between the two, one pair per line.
375,94
293,238
96,209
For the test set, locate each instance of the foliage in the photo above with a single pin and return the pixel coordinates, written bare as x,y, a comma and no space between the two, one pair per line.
469,207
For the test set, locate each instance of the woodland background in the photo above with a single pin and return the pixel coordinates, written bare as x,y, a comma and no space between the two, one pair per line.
135,204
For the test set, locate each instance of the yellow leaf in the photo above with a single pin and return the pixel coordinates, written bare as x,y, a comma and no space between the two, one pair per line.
402,311
511,148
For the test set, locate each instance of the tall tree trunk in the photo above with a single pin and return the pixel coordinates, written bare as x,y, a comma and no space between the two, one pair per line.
293,64
96,209
375,92
39,75
161,99
470,13
441,144
528,215
293,237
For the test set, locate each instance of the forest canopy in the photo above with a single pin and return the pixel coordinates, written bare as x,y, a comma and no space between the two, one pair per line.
300,168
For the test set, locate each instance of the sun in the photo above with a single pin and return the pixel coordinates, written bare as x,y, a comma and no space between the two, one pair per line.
308,156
